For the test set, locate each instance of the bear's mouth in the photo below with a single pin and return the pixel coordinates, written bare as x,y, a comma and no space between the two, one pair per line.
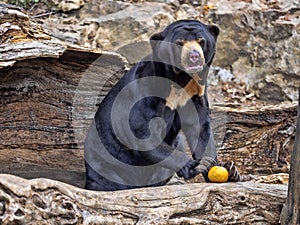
193,68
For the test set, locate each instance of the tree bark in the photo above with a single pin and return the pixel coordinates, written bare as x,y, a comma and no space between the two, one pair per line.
259,139
39,81
291,210
43,201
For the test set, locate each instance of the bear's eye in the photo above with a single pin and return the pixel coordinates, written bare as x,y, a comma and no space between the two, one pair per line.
201,42
180,42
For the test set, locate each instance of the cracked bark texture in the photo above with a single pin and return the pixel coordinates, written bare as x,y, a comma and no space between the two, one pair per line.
291,211
40,115
43,201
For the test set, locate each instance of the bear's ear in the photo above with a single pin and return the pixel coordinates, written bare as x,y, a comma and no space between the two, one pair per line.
214,30
155,38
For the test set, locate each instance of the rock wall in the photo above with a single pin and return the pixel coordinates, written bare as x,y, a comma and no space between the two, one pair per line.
259,41
261,48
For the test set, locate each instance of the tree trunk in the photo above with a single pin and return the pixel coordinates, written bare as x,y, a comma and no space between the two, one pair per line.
43,201
291,210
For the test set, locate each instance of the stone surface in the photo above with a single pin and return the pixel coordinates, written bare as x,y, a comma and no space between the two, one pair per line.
259,41
109,25
68,5
279,178
261,47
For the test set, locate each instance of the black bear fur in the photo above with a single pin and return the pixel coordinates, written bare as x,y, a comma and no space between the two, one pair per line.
114,160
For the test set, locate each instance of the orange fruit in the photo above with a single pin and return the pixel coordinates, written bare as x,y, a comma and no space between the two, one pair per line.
218,174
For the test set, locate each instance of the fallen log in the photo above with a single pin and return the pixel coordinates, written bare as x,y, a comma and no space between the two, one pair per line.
43,201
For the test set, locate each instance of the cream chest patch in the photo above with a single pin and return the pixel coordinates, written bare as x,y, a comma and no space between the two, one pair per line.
178,97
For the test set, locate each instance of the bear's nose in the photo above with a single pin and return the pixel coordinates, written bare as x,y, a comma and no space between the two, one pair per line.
194,56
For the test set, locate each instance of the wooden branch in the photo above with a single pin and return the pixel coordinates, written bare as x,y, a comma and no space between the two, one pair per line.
23,39
291,211
42,201
258,139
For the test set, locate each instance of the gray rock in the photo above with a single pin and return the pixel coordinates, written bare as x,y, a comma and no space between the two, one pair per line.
69,5
135,52
257,41
133,23
188,12
260,46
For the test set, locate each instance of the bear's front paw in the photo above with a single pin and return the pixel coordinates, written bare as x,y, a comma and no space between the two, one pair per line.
205,164
189,170
234,175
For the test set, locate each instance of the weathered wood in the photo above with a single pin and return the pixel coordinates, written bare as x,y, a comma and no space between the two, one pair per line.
278,178
259,139
291,210
23,39
42,201
39,124
40,77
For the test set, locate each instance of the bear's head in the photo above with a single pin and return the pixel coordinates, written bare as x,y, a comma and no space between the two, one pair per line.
185,45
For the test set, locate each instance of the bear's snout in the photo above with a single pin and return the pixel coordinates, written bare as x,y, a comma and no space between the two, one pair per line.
194,56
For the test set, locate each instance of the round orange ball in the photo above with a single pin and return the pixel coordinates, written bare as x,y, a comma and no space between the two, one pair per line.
218,174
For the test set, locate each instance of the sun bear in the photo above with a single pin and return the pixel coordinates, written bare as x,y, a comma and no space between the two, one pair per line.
134,140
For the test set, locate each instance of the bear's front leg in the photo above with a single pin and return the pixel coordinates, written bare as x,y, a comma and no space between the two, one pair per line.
174,159
197,130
